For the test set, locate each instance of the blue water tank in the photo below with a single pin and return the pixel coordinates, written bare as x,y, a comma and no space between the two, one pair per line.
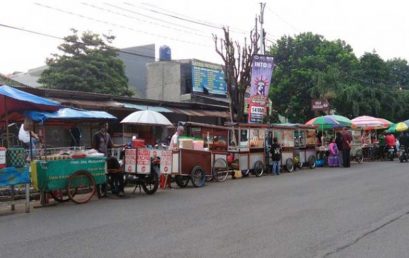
165,54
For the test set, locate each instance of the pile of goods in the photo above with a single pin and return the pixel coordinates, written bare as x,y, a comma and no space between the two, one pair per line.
72,154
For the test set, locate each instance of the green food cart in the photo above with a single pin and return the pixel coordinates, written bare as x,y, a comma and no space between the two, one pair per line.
74,179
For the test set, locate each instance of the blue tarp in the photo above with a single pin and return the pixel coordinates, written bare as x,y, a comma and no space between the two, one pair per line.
69,114
14,100
13,176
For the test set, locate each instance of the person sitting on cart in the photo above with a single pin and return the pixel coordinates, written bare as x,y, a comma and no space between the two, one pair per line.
275,156
102,142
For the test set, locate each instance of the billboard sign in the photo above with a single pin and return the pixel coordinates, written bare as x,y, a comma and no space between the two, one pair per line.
208,78
261,73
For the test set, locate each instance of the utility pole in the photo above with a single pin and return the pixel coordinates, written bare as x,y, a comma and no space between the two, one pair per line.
262,34
256,33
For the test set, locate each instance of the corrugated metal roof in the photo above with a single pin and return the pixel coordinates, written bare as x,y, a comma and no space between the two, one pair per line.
146,107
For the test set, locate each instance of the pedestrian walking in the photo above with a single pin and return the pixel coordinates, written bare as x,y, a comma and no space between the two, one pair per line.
275,156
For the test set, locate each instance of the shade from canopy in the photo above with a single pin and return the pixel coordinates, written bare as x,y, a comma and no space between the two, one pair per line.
68,114
147,117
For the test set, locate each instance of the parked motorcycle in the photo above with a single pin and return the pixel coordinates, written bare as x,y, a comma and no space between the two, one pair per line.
403,154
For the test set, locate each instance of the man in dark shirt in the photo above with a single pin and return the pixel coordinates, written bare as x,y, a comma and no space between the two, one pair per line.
276,156
346,147
102,142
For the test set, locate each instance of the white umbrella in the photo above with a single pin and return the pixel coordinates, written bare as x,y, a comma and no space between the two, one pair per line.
147,117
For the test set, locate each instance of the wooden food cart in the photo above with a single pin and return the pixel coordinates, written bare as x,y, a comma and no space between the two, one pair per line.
304,146
285,135
247,145
202,156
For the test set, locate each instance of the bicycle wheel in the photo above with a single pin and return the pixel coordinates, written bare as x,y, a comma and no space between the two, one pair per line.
81,187
150,183
289,165
60,195
220,170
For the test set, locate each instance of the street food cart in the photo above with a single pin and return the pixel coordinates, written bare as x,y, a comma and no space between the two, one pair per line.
67,173
246,143
202,155
304,146
285,136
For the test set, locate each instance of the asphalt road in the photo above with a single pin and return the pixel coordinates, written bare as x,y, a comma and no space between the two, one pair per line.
356,212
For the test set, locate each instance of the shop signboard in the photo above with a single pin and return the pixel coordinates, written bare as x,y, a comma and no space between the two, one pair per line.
143,163
208,78
261,72
166,162
319,104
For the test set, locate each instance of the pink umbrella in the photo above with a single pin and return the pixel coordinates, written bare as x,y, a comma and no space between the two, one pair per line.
370,123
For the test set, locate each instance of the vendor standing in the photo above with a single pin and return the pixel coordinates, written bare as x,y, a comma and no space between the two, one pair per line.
102,142
24,135
174,141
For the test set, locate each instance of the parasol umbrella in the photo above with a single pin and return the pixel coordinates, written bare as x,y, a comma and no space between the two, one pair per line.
344,121
398,127
147,117
324,122
370,123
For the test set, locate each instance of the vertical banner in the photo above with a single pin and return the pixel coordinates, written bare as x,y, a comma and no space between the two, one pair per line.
143,165
130,160
166,162
261,72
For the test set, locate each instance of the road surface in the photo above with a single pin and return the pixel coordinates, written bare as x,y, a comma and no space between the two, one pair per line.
356,212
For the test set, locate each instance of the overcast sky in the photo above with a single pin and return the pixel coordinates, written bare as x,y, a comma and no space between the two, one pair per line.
365,25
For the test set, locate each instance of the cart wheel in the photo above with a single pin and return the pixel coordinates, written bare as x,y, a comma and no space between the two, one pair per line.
289,165
359,157
150,183
220,170
181,181
245,173
81,186
311,162
60,195
258,168
198,176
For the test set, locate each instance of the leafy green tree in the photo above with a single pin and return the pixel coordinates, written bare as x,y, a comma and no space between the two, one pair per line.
88,63
399,73
307,67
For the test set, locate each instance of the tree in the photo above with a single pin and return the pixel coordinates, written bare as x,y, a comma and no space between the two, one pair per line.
88,63
237,62
308,67
399,73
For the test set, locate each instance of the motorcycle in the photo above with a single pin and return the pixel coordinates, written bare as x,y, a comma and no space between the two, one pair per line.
403,154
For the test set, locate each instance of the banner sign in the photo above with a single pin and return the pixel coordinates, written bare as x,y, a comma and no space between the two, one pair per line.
166,162
261,72
143,162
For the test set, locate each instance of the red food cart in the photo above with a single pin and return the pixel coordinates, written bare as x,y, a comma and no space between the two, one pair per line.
202,155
